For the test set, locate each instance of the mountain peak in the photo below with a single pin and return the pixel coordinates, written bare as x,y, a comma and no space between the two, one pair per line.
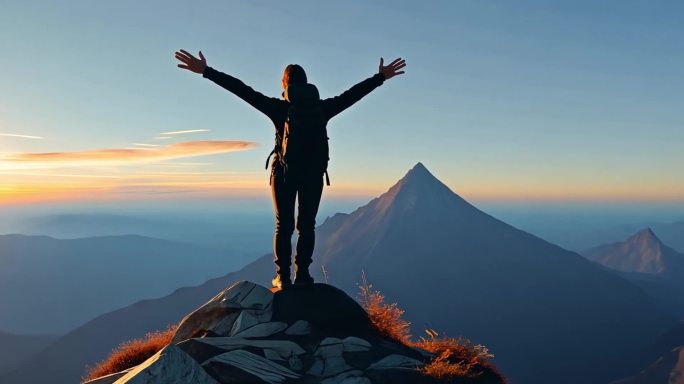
417,196
420,177
419,167
420,174
418,184
646,239
646,233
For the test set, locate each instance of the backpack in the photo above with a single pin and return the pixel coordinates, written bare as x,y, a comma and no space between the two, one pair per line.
302,144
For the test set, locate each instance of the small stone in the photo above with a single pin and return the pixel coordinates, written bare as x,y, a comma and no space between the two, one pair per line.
348,377
355,344
262,330
272,355
295,363
330,346
396,361
300,327
244,320
334,365
316,368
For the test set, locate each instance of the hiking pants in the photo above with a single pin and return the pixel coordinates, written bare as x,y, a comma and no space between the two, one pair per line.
307,188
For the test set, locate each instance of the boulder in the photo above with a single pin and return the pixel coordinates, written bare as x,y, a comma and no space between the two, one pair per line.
218,315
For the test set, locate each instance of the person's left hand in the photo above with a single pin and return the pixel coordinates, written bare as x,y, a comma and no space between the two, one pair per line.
393,69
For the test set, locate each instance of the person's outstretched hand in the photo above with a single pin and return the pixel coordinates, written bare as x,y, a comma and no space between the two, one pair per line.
190,62
393,69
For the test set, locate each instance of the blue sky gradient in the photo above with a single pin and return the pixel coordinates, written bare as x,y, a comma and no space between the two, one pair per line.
526,100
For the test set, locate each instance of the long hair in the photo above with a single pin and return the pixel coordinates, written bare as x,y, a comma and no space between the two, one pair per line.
294,74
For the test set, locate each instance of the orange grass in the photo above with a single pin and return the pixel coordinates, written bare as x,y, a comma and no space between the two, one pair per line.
453,358
131,353
385,317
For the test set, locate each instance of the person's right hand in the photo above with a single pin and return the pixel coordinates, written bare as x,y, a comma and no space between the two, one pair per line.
190,62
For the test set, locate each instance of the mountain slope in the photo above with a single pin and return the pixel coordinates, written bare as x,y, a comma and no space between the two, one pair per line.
16,348
76,280
508,289
543,311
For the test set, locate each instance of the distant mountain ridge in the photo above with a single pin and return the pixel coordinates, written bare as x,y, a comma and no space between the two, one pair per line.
15,348
75,280
648,263
545,312
642,252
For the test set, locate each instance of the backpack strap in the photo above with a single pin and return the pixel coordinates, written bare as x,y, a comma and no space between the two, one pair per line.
268,158
327,179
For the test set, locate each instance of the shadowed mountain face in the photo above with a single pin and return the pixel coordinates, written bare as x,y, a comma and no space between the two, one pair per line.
641,253
72,281
543,311
665,362
668,369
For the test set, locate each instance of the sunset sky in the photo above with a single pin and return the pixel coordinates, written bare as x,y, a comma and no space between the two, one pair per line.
502,100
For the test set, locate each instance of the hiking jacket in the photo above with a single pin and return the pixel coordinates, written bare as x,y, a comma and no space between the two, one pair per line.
276,109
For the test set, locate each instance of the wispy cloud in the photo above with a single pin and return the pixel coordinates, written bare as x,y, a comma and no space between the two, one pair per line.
21,136
184,132
162,137
145,145
126,155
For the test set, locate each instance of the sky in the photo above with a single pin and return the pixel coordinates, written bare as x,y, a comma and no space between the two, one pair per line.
502,101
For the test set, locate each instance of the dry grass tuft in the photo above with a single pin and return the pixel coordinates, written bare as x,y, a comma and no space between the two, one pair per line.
131,353
385,317
454,358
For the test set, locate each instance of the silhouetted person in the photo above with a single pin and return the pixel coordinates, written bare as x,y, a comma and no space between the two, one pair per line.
300,155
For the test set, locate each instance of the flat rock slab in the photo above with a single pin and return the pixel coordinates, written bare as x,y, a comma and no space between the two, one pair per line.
108,379
264,369
262,329
284,348
169,366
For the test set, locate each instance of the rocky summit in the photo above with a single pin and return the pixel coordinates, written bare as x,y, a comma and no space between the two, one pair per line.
303,334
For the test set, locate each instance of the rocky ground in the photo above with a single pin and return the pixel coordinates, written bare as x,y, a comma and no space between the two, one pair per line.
310,334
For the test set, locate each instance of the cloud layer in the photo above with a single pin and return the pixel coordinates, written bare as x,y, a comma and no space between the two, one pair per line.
130,155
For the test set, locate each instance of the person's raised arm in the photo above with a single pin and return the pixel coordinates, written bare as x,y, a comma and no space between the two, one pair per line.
261,102
337,104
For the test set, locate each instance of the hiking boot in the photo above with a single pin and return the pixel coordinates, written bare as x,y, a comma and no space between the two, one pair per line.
281,282
302,277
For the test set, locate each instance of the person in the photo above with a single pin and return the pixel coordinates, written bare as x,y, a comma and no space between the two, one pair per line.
305,184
